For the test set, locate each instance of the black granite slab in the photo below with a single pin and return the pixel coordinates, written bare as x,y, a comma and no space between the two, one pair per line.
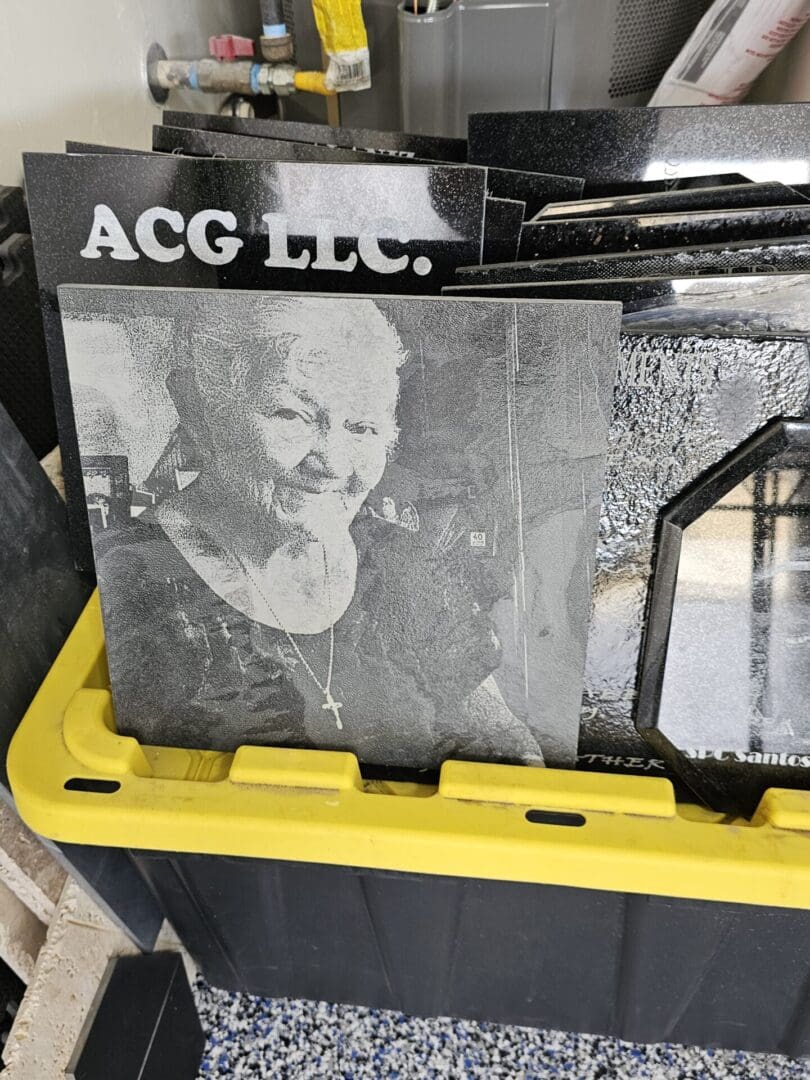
13,212
628,290
620,146
142,1024
747,257
669,183
202,143
74,147
25,381
666,202
682,403
724,676
502,221
392,143
41,596
739,305
535,189
401,229
560,237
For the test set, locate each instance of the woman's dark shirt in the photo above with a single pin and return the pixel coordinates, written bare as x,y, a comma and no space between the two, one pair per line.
187,669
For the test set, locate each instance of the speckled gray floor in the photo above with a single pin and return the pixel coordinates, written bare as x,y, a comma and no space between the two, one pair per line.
284,1039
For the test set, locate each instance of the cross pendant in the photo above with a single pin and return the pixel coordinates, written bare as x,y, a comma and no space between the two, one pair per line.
334,707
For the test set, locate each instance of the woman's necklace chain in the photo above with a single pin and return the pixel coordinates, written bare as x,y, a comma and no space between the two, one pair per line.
326,689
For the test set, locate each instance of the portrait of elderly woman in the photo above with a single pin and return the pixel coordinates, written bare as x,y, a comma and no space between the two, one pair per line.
338,544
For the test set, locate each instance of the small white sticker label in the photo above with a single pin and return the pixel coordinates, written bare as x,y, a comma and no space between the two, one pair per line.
349,71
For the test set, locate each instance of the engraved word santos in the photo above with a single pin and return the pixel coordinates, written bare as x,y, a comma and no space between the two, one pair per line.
107,234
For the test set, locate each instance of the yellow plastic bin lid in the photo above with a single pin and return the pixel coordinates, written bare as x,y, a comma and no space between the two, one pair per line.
76,780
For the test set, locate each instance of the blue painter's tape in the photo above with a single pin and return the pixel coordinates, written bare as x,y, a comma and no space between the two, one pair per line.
277,30
194,77
254,78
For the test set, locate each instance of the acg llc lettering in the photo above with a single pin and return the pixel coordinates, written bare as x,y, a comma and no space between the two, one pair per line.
207,237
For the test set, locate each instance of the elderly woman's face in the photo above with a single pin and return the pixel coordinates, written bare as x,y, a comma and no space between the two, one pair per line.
308,438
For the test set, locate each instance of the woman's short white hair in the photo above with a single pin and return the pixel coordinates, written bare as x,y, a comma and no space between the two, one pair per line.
223,352
216,355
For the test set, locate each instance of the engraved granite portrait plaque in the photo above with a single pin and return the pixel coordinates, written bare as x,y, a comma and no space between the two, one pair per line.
353,523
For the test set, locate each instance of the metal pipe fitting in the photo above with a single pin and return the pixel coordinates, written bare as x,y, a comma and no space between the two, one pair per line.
276,79
223,77
276,48
276,41
211,76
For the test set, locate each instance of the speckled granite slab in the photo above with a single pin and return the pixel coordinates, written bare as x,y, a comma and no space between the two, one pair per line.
42,594
612,147
746,257
558,237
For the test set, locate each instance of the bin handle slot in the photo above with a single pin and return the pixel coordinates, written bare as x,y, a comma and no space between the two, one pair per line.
555,817
99,787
